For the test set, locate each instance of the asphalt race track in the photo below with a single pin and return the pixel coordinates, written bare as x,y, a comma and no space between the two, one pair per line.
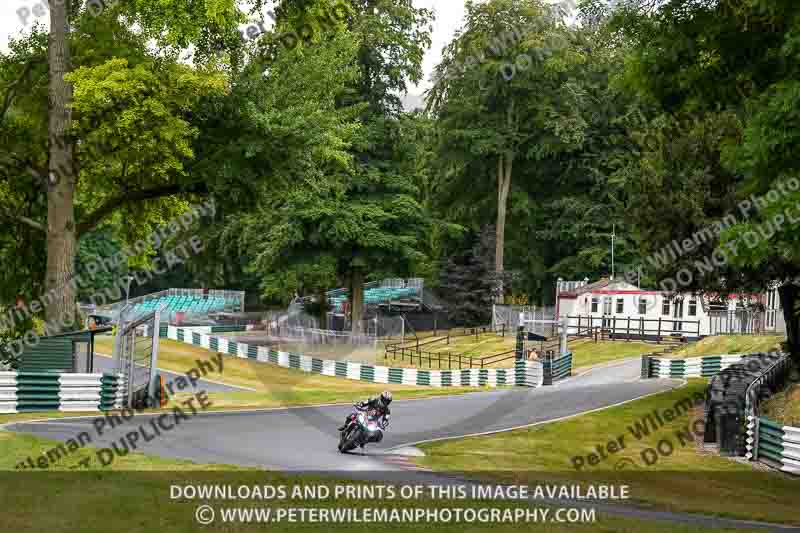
306,438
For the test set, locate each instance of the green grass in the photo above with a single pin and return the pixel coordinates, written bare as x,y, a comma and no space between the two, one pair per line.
586,353
133,494
688,479
275,386
784,406
730,344
99,502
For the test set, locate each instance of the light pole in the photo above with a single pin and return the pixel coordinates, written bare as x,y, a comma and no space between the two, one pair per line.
558,289
128,279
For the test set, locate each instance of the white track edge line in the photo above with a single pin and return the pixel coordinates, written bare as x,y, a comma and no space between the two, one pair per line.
524,426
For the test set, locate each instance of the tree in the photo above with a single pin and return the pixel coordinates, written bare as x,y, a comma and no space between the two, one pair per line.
724,77
503,97
468,284
363,211
60,177
61,238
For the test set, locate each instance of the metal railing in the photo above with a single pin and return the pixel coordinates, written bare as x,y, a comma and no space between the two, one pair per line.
628,328
772,377
733,398
413,351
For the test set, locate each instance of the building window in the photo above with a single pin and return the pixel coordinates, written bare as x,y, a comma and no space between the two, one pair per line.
692,307
642,306
665,307
620,305
594,304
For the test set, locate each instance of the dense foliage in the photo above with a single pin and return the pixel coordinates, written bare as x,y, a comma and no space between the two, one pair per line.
651,121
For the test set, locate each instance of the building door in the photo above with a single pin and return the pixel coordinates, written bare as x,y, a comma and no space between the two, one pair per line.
771,310
677,314
606,312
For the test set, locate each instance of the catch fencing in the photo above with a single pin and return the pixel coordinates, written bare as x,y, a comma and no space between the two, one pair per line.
514,316
136,355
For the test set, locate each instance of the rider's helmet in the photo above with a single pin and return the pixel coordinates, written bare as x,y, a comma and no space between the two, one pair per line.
386,397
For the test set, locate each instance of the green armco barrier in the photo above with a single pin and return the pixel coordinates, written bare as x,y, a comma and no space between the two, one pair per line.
38,391
706,366
60,391
557,368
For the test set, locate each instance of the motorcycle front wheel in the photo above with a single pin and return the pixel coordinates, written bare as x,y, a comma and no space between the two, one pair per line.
351,442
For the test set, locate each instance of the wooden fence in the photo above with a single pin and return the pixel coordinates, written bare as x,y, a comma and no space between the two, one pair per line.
448,360
628,328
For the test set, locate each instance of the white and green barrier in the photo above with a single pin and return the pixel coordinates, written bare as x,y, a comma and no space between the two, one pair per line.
8,392
525,373
557,368
773,444
55,391
163,329
694,367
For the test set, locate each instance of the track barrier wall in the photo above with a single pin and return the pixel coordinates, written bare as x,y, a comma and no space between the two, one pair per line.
556,368
54,391
774,444
524,374
732,419
694,367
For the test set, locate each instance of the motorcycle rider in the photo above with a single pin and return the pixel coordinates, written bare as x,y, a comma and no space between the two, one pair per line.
381,406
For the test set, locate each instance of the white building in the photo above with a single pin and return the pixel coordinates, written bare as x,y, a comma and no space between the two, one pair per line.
623,310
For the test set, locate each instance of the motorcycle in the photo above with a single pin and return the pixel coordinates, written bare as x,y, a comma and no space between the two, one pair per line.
362,427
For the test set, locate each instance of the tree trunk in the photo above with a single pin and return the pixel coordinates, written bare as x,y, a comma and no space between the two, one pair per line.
323,309
504,165
61,183
356,299
790,298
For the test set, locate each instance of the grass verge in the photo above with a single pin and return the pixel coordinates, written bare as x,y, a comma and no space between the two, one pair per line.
135,494
585,352
784,406
276,386
664,466
730,344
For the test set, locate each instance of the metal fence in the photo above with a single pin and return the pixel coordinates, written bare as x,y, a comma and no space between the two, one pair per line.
136,355
514,316
628,328
741,322
733,398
